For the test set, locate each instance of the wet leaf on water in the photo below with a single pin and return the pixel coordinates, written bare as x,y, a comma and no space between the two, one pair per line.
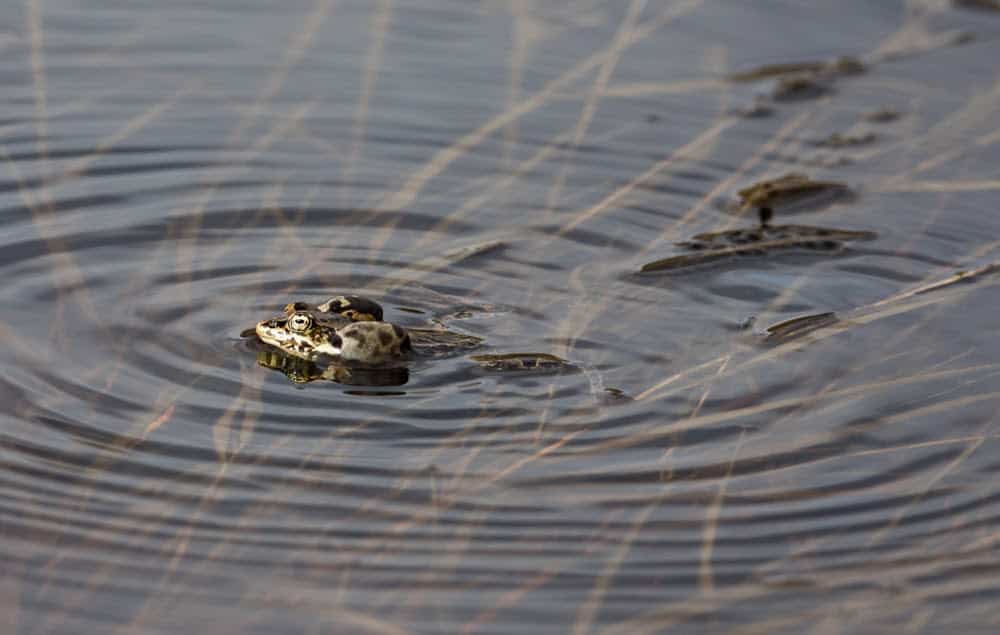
846,139
799,326
792,190
713,246
520,361
846,65
882,115
772,233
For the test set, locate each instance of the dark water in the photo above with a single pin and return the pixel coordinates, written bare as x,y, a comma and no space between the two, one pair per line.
175,172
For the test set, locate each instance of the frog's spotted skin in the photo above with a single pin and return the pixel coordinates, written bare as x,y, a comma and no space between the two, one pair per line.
373,342
341,310
354,308
301,335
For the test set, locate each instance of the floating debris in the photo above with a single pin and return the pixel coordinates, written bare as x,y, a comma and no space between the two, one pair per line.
769,233
882,115
799,87
521,361
799,326
789,82
960,276
846,140
802,325
788,193
846,65
715,246
611,395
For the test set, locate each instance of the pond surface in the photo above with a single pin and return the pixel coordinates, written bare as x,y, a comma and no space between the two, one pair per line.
175,172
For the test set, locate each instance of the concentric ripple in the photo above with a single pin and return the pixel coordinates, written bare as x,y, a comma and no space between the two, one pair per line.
175,173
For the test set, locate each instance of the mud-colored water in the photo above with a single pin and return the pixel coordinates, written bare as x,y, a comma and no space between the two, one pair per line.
174,172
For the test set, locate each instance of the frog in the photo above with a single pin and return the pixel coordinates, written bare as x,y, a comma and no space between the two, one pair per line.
339,312
313,336
337,338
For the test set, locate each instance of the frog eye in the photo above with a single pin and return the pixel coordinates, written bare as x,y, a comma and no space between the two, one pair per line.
299,322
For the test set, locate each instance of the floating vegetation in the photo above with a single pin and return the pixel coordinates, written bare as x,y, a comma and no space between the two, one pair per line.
521,361
847,139
769,233
714,246
846,65
789,193
799,87
799,326
959,277
790,82
612,394
882,115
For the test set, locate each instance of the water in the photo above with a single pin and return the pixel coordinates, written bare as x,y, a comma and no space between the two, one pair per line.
175,173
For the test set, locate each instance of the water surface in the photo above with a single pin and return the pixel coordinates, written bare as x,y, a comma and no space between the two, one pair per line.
176,172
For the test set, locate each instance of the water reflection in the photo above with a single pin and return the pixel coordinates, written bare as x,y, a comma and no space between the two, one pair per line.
300,371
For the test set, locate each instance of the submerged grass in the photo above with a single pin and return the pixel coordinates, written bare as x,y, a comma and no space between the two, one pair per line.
177,523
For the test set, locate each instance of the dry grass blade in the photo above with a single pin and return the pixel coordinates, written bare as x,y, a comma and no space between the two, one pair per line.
961,276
